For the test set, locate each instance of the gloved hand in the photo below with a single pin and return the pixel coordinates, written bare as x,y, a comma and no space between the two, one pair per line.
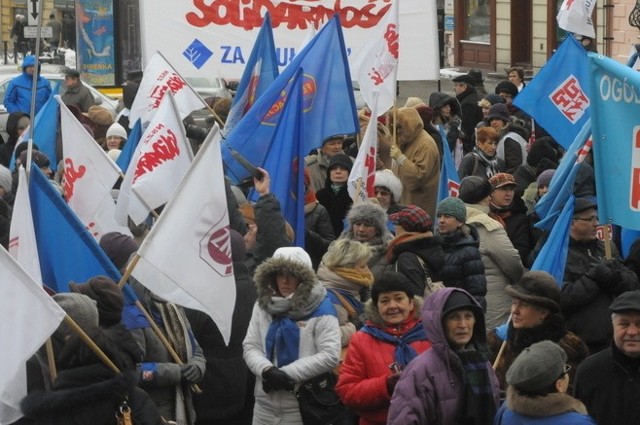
605,273
273,379
190,373
392,380
395,152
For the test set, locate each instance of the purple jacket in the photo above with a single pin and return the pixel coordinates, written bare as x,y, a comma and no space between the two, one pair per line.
431,388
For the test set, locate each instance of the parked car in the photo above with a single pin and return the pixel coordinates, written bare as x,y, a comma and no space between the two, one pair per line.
210,87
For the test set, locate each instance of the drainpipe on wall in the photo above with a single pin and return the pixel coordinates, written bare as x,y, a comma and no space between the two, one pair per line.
608,27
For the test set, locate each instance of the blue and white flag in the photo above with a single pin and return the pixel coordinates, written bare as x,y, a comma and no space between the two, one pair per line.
558,96
449,180
616,135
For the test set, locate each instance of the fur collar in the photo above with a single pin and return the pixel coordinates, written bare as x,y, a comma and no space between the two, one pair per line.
373,315
265,279
551,404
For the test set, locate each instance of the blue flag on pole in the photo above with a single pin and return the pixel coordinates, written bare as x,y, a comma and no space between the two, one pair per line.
558,97
66,249
449,180
286,154
616,135
561,186
328,103
261,70
130,146
552,258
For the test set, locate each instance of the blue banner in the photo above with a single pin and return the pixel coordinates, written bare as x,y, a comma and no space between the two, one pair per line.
558,96
95,41
616,141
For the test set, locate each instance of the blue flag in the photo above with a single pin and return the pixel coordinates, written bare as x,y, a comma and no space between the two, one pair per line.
552,258
130,146
286,154
616,135
328,103
561,186
261,70
45,130
558,97
449,179
66,249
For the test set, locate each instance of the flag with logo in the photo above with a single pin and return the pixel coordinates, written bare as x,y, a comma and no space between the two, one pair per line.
575,16
261,70
376,66
363,173
23,303
329,106
561,186
558,96
160,161
449,184
160,78
130,146
186,258
616,130
552,258
89,175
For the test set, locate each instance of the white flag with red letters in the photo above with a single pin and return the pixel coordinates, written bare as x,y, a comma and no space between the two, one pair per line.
575,16
363,173
186,258
160,78
159,162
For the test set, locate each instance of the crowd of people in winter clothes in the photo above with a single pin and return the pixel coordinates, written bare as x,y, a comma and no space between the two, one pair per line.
425,311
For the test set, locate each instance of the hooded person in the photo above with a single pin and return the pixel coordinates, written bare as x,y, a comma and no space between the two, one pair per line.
391,338
334,196
415,252
471,113
446,113
416,161
537,394
17,98
17,123
453,382
227,386
292,337
535,317
542,156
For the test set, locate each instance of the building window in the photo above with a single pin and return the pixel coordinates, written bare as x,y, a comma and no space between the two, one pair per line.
478,21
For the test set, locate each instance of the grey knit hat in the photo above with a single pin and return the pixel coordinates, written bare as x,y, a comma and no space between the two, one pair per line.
453,207
82,309
537,367
370,213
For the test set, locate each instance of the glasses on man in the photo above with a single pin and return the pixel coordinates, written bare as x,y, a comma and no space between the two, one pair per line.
593,218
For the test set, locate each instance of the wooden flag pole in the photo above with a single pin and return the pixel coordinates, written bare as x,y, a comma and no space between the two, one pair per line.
503,347
607,241
51,360
127,273
87,340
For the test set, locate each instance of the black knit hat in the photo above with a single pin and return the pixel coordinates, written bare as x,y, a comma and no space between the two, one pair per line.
537,287
474,189
341,160
389,282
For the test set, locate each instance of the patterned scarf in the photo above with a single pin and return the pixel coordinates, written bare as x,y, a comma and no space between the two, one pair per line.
490,163
404,352
479,402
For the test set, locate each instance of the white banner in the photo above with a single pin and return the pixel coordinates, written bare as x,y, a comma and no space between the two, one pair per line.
215,38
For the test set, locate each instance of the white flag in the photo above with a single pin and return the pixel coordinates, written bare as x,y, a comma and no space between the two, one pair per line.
186,258
161,159
89,175
575,16
159,78
28,316
376,66
363,172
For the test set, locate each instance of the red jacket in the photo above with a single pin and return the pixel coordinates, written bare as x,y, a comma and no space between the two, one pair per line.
362,384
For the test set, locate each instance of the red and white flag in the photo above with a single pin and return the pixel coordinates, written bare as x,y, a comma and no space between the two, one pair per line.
159,78
89,176
376,66
186,258
575,16
363,173
159,162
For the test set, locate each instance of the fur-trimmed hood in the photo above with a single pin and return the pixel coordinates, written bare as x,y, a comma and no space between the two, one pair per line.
551,404
265,279
373,315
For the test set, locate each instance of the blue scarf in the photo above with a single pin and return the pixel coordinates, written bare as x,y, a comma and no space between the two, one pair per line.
356,304
283,336
404,352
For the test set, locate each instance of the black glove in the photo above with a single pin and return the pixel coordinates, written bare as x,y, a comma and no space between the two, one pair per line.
605,274
273,379
190,373
392,380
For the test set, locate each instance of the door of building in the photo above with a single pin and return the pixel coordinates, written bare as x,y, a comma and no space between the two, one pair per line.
521,33
475,33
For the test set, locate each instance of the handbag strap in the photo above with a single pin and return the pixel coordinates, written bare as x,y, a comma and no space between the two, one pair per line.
123,415
345,304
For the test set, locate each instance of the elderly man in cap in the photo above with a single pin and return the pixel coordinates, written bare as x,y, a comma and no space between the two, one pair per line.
471,114
76,93
608,383
591,281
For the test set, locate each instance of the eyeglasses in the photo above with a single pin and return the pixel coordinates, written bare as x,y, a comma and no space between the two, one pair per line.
382,192
593,219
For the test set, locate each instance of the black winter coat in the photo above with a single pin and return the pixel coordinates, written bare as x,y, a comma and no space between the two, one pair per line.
405,255
471,115
463,266
337,204
318,232
518,227
227,385
590,285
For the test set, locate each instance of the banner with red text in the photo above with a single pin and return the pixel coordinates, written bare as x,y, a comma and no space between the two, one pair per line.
216,37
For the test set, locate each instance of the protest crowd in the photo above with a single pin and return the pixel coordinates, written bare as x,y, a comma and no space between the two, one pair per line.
496,300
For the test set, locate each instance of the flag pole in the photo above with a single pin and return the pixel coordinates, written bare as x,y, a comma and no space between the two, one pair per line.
51,360
127,273
607,241
503,347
